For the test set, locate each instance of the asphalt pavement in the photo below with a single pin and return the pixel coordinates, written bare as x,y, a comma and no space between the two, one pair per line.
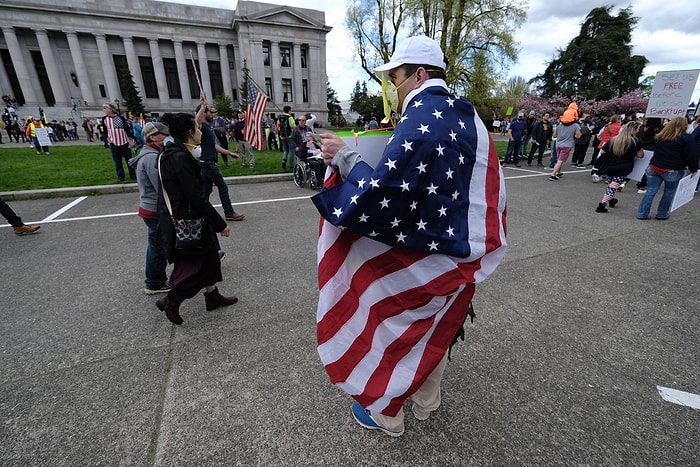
588,316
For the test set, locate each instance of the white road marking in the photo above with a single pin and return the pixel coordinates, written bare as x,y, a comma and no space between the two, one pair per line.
52,217
63,209
679,397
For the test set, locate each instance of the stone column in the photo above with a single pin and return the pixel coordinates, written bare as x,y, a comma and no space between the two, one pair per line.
26,80
317,81
225,71
275,64
133,61
256,64
59,91
80,68
159,70
182,74
110,74
4,80
296,84
204,71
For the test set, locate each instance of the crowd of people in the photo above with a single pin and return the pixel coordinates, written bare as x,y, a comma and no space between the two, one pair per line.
671,145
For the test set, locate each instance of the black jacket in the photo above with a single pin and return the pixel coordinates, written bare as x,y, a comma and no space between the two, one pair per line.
540,134
180,175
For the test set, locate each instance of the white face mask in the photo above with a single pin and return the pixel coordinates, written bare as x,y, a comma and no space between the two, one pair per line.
196,151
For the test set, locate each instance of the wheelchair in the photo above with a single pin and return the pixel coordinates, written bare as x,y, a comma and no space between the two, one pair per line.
309,171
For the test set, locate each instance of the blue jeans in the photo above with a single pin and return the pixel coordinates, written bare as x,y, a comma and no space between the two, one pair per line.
211,175
155,261
553,159
38,146
119,153
523,147
654,179
288,151
514,150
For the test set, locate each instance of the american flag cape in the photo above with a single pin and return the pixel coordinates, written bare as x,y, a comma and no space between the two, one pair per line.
253,131
397,267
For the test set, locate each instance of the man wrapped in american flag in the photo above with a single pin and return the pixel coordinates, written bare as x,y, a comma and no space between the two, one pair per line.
403,239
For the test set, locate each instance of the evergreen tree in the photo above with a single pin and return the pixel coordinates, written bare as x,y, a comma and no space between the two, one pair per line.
132,99
372,106
223,106
335,113
358,96
598,63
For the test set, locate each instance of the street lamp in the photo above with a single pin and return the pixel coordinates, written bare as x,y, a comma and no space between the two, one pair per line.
119,110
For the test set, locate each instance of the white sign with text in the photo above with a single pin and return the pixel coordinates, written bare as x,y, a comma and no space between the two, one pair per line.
671,93
42,135
685,191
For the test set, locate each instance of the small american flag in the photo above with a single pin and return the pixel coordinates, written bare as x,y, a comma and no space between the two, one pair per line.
253,132
397,266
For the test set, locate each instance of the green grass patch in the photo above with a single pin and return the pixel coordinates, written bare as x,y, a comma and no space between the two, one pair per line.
78,166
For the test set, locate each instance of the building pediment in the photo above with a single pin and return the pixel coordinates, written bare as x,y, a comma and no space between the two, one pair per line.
282,15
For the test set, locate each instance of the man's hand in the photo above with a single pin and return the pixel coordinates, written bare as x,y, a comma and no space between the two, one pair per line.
226,232
330,145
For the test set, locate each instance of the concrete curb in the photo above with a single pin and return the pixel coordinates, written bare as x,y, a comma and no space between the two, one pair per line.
124,188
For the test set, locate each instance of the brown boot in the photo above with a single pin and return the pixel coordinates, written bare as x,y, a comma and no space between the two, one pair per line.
26,229
214,300
171,309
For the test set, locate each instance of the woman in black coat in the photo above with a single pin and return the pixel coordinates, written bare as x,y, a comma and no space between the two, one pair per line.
618,155
197,268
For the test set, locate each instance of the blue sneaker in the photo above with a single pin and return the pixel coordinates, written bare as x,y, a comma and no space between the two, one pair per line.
364,418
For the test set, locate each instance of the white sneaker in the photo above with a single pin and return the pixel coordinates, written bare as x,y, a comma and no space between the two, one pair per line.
641,192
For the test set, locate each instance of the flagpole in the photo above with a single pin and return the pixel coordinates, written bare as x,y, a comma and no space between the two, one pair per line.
196,74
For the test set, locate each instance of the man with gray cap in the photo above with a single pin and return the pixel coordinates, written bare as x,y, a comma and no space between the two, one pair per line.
146,165
404,237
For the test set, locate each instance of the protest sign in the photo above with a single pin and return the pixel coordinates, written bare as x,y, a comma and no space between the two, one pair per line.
685,191
671,93
640,165
370,144
42,135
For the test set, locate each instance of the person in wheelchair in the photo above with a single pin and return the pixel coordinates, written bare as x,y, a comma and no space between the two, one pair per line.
310,167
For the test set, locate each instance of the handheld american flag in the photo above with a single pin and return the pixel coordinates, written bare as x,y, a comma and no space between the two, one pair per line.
255,110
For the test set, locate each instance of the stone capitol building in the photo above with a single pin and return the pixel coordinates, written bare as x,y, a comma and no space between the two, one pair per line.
54,53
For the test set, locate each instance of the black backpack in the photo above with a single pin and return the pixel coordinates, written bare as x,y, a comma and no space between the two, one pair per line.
285,129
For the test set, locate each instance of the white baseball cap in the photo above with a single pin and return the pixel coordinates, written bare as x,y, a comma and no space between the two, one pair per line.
416,50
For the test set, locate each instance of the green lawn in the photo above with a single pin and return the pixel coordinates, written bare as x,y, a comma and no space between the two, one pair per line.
76,166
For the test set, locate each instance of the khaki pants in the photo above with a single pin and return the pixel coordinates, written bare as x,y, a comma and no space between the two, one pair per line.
244,149
427,399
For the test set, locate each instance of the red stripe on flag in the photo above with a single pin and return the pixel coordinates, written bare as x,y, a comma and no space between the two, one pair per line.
253,131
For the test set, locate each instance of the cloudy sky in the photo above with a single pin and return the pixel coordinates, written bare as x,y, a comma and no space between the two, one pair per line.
667,34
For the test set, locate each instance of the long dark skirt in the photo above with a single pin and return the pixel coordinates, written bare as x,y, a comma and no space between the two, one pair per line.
192,273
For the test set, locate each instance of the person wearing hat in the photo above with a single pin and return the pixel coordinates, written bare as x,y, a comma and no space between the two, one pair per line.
145,165
405,235
516,137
